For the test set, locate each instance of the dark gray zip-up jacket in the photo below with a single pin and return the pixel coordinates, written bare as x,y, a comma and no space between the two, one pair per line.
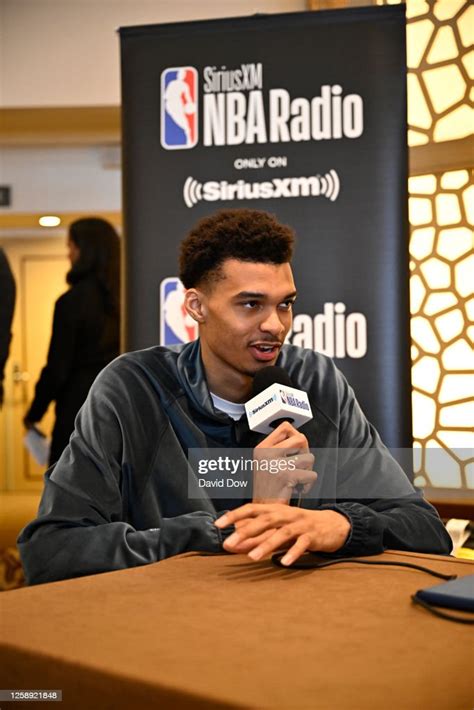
118,496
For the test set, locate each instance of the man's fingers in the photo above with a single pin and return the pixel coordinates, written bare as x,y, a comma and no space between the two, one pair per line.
299,548
301,476
249,543
275,517
284,435
283,462
293,445
302,460
281,526
255,528
281,538
297,442
282,432
249,510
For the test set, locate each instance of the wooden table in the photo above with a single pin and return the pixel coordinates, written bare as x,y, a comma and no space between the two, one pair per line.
219,631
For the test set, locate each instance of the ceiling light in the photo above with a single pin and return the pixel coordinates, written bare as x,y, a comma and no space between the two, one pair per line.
49,221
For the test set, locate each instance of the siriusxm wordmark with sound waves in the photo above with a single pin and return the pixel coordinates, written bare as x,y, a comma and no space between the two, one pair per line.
327,185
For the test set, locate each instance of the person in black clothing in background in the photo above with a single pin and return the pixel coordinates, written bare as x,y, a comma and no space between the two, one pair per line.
86,328
7,307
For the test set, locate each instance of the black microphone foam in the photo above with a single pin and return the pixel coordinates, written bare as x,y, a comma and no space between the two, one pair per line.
269,376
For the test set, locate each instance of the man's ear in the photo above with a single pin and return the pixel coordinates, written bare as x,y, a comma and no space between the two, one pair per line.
194,302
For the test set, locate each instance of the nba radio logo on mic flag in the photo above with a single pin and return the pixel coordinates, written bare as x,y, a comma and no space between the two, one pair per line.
179,108
176,325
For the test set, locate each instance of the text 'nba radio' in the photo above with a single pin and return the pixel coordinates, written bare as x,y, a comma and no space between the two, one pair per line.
235,110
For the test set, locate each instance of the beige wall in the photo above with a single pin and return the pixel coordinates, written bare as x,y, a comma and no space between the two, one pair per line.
66,52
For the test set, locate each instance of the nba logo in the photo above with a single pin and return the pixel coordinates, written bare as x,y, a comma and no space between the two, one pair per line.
179,113
176,325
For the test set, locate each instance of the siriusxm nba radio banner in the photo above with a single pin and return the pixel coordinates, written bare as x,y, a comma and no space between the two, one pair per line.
302,115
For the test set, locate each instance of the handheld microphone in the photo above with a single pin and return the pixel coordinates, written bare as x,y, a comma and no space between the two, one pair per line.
275,400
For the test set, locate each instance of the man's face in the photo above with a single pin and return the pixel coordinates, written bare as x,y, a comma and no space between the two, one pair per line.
246,317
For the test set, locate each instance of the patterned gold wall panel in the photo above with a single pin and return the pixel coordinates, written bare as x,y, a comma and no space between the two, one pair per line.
441,210
440,61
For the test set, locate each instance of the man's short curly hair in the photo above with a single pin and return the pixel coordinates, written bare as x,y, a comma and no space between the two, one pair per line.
246,235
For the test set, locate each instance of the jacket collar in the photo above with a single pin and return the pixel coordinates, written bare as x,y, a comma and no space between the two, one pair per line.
193,380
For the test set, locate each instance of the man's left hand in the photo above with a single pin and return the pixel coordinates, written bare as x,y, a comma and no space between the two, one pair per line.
264,528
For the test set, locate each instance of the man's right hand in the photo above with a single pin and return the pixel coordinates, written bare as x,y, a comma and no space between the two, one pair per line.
284,461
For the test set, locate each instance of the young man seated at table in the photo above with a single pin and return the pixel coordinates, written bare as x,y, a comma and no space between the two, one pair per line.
122,493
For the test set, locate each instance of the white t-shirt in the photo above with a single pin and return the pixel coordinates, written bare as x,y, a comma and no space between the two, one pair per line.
232,409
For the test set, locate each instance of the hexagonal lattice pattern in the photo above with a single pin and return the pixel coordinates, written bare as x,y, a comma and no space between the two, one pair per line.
442,307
